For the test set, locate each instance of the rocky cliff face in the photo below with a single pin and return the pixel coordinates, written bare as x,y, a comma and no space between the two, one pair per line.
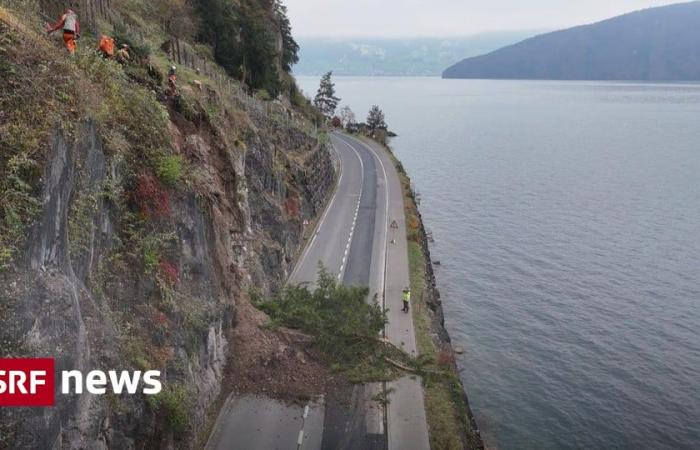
79,306
124,267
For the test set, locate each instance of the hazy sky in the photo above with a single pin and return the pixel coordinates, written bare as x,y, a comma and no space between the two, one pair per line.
342,18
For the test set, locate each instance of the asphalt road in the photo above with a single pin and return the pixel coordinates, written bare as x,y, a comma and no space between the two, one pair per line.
351,240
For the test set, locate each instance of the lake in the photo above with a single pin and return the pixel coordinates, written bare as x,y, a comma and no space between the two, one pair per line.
566,216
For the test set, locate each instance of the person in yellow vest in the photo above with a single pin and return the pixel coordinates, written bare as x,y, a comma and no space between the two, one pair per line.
406,299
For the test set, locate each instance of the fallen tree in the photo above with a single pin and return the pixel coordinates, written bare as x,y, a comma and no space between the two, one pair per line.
346,327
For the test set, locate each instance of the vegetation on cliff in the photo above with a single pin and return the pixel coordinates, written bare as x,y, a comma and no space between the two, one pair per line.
132,222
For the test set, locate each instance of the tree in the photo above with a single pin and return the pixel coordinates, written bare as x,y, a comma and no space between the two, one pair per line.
221,27
325,99
340,319
259,53
347,117
290,48
242,42
375,119
180,18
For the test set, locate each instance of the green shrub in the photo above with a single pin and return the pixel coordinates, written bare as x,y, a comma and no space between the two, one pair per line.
174,403
264,95
169,169
152,246
188,108
150,259
138,47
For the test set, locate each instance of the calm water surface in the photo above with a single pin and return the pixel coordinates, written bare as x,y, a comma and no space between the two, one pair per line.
567,220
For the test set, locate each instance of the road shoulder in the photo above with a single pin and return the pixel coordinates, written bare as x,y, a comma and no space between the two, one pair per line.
450,420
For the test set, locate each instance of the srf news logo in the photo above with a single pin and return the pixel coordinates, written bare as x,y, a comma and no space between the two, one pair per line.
32,382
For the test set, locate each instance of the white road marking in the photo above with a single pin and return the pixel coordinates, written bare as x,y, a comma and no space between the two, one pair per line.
384,246
323,218
386,215
359,200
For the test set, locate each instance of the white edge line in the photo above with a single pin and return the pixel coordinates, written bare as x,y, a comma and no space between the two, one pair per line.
386,215
384,249
305,253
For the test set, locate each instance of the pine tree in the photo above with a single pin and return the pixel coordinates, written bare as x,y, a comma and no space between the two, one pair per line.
259,53
375,119
325,99
290,48
243,44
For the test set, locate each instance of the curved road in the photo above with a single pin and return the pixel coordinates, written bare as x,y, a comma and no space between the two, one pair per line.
351,240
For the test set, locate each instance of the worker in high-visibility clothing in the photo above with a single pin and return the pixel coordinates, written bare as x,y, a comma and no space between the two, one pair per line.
106,47
406,299
71,29
172,80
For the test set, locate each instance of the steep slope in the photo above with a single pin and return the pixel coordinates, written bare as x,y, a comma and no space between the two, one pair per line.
133,225
653,44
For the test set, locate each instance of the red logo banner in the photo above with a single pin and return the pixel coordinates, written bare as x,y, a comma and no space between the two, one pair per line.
27,382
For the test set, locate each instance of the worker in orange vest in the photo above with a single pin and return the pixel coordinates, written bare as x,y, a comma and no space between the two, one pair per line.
106,47
71,29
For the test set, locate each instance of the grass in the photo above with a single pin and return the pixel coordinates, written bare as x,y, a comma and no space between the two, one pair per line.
30,92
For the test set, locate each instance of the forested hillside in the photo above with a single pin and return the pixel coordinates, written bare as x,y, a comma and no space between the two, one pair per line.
653,44
252,39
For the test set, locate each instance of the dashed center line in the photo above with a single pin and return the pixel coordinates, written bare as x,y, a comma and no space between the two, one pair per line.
343,264
300,438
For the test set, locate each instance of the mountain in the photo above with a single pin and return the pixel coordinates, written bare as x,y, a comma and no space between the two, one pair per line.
408,57
653,44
